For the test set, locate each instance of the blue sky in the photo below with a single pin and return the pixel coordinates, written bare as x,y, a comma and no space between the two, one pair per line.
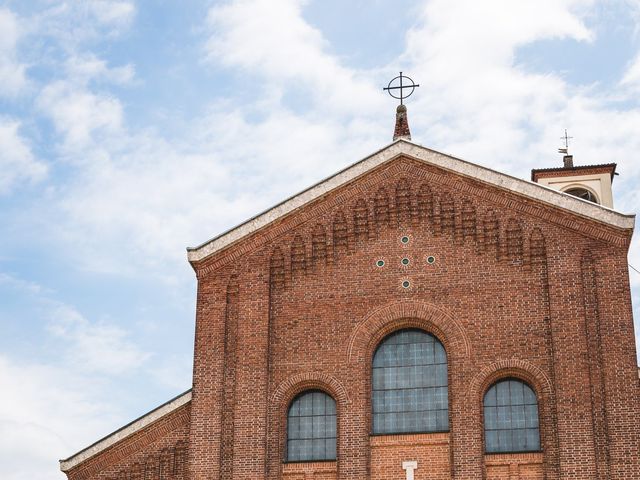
130,130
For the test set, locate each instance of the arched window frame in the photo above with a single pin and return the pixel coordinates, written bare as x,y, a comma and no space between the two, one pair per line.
526,423
441,423
327,435
579,186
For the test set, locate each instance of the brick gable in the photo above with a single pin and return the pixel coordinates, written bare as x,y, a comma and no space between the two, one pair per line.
511,285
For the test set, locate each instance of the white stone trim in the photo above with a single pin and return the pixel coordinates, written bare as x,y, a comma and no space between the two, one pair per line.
404,147
133,427
409,467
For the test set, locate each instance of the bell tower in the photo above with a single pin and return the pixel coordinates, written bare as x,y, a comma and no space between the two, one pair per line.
590,182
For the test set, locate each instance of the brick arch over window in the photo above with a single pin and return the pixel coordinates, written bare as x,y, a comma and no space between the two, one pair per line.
541,384
292,386
407,314
279,403
516,368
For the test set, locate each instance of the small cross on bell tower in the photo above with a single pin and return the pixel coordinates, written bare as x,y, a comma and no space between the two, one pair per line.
567,159
396,89
592,183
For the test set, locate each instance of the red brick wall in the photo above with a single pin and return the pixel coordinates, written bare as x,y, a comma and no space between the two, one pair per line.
431,451
157,452
517,289
515,466
310,471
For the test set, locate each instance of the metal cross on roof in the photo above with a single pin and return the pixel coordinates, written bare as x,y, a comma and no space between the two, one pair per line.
400,85
566,139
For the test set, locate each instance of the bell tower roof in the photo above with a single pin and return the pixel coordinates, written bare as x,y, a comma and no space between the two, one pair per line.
588,182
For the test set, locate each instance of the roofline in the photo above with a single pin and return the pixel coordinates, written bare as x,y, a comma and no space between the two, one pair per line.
125,431
279,204
399,147
610,166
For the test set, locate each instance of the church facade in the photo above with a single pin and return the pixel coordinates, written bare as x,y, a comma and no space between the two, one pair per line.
413,316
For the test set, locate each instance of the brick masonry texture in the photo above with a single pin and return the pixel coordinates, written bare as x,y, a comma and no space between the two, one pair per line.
517,289
156,452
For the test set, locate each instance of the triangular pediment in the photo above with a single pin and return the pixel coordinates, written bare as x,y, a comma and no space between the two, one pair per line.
528,190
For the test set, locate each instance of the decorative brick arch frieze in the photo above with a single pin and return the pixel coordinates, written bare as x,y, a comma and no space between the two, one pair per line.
279,402
425,203
407,314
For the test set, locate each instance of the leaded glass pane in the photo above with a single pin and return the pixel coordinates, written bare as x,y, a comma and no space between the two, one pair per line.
330,405
306,405
318,403
330,448
490,398
490,418
311,428
519,437
409,383
529,396
517,416
511,418
293,451
531,416
491,439
516,389
293,427
533,438
504,440
442,420
503,393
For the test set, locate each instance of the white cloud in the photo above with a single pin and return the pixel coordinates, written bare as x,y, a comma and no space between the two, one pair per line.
75,25
273,39
98,347
82,69
45,413
20,284
78,114
133,199
478,100
173,371
17,162
632,75
71,388
112,12
12,73
475,100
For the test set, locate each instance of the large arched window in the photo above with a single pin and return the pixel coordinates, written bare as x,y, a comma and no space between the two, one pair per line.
311,427
410,388
511,418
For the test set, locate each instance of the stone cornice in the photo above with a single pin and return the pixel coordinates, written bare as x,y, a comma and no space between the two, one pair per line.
126,431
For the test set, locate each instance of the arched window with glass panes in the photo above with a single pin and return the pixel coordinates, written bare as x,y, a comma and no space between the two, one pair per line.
409,384
311,427
511,418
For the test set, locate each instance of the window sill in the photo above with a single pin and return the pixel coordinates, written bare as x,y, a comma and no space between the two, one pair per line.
295,462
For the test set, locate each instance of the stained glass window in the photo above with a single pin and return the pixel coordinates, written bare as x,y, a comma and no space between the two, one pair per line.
410,386
311,427
511,418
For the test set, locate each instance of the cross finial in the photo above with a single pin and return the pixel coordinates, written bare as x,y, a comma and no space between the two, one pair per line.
396,89
566,139
400,85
